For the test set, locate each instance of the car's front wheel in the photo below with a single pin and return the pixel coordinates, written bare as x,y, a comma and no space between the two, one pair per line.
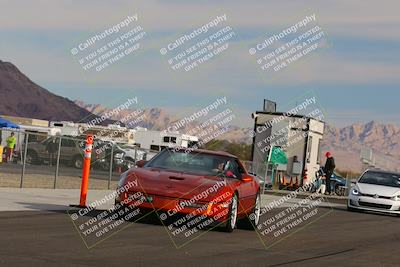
232,215
105,166
251,221
31,157
338,191
77,162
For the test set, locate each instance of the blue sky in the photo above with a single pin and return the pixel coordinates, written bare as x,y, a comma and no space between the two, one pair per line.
355,76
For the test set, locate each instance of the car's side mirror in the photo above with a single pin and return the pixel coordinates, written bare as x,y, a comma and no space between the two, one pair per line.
247,178
230,174
140,163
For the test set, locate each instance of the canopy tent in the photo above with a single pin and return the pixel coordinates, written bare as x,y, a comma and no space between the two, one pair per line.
7,124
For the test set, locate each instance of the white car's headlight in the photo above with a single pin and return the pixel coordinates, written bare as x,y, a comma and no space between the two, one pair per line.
122,179
396,198
355,192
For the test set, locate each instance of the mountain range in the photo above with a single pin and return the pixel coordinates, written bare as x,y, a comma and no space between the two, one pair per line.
345,143
19,96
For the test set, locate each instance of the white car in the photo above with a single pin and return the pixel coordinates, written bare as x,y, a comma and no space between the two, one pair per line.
377,191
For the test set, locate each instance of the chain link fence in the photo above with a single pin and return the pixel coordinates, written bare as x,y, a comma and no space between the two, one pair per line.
45,161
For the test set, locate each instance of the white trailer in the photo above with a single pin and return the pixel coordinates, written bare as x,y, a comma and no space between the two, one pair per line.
156,141
299,136
111,132
66,127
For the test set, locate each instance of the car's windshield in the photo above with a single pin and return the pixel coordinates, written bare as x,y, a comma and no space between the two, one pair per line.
195,162
381,178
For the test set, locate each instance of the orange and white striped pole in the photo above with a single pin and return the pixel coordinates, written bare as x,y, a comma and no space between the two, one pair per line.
86,170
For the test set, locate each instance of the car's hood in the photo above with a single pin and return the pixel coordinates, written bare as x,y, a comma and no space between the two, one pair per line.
179,185
380,190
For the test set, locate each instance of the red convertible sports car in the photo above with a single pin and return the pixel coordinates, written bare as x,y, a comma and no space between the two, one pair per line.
209,184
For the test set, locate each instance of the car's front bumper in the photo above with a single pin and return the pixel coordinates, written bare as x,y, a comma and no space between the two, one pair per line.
374,204
171,206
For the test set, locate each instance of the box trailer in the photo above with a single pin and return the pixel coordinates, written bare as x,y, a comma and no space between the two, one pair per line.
299,136
158,140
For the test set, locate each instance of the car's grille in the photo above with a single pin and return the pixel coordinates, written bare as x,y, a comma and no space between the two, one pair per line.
375,196
375,205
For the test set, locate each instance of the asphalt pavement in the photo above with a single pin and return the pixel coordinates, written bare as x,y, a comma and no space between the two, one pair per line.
341,238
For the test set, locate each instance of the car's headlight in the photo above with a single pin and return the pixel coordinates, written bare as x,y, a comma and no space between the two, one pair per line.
355,192
122,179
396,198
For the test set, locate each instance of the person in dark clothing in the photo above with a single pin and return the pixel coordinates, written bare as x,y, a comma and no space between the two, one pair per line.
52,148
329,168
